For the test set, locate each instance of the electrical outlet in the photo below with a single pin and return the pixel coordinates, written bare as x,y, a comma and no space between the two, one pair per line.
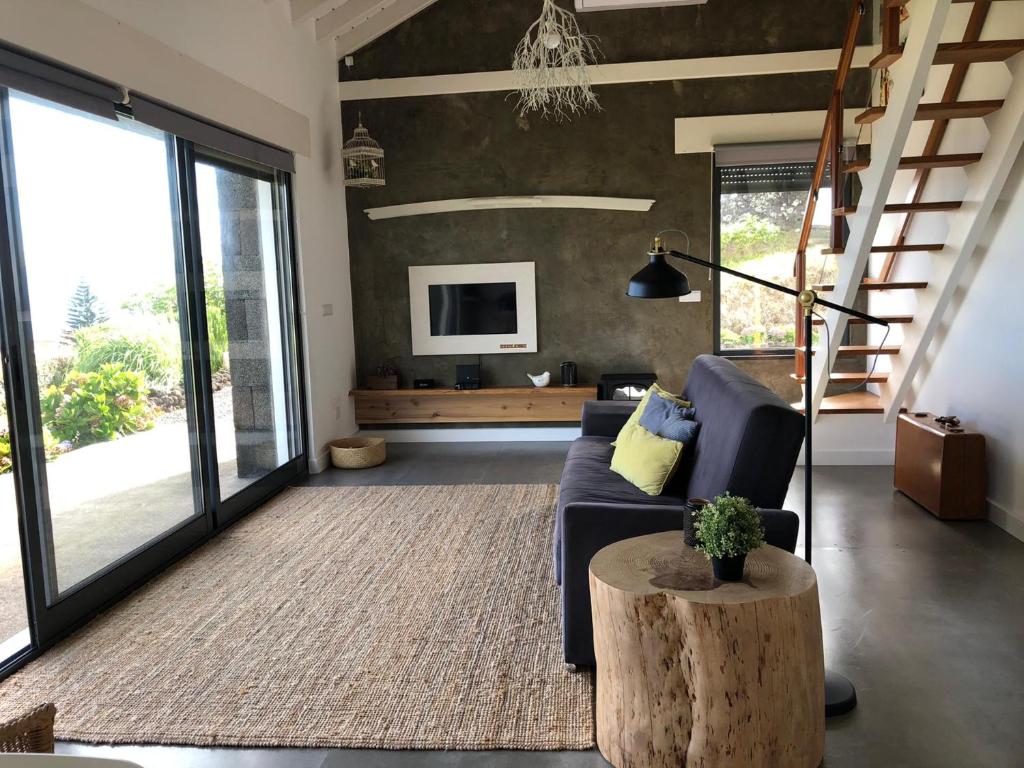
337,412
328,310
693,297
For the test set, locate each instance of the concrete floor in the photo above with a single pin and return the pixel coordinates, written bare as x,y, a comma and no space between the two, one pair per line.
926,617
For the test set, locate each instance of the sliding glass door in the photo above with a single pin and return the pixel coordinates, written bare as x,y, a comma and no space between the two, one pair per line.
242,235
150,373
102,269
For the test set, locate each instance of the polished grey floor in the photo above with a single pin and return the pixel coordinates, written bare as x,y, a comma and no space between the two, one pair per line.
926,617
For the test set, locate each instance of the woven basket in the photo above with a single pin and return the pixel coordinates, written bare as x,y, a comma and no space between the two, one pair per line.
358,452
32,732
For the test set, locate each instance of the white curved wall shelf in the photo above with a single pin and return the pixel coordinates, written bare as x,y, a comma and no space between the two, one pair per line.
523,201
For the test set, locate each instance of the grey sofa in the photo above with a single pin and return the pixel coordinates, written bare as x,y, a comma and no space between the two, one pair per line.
748,445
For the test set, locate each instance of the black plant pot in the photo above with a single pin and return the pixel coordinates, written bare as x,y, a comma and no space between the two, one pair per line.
728,568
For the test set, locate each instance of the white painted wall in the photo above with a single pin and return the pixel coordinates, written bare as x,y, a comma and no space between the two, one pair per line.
255,44
975,368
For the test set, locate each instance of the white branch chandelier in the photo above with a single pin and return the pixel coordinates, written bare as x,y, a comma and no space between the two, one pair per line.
551,62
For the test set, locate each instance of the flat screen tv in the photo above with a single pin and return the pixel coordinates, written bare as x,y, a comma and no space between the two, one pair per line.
460,309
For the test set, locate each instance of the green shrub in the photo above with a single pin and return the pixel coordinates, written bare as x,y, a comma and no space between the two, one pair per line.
54,370
728,527
97,406
152,349
163,302
51,448
751,237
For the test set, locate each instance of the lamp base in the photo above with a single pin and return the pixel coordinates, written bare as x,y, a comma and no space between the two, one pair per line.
840,695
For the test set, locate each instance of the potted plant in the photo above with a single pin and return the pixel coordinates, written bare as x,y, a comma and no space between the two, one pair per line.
727,529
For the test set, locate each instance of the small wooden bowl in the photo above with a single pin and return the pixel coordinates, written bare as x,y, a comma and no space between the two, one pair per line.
358,452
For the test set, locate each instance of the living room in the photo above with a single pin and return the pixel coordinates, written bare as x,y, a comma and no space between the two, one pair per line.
455,382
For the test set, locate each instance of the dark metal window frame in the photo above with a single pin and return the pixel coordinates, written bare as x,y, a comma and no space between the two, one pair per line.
716,254
52,619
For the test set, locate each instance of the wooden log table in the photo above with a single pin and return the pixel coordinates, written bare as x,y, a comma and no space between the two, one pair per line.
696,672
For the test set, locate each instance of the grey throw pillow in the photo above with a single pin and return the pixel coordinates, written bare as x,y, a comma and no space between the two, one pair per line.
670,420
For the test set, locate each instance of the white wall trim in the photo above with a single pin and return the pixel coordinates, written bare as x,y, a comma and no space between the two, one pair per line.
319,462
1006,520
701,134
82,37
610,74
475,435
523,201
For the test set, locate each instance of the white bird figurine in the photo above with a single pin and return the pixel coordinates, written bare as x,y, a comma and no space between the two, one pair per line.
541,379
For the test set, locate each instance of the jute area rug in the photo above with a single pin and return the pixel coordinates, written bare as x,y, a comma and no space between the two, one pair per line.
407,617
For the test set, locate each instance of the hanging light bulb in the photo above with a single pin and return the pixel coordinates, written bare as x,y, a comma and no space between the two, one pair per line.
552,40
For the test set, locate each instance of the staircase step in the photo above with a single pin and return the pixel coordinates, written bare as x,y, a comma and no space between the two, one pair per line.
849,378
848,402
942,205
959,53
875,286
867,350
891,319
920,161
905,247
944,110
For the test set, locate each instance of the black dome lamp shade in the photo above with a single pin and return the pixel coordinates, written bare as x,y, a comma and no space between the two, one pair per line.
659,279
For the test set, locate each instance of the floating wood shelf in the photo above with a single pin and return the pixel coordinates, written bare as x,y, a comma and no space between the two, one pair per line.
940,206
485,405
953,110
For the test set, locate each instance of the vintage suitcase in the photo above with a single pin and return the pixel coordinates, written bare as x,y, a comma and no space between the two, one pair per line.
941,466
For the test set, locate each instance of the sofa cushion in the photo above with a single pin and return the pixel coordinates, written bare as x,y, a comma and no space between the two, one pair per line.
588,477
644,459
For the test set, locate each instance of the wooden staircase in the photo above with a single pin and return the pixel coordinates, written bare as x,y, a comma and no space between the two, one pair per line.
855,225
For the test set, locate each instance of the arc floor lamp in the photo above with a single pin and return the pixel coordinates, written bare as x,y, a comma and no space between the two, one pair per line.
660,280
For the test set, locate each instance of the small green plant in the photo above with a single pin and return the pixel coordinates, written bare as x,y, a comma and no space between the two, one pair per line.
97,406
728,527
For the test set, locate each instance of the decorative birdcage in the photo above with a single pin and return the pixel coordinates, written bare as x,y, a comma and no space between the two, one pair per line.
363,159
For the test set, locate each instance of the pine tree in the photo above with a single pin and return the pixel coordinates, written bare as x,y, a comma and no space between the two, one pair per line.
84,310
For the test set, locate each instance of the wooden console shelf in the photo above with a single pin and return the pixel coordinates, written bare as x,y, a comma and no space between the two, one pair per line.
453,406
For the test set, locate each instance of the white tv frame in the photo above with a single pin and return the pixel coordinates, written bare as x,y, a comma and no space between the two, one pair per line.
521,273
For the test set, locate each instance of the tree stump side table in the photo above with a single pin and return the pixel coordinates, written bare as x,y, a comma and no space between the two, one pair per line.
695,672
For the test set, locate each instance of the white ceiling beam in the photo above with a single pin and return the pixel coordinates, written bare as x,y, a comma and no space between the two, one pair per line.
375,26
346,17
304,10
608,74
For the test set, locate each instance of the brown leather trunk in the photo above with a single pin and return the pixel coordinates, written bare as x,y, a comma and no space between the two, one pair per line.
941,469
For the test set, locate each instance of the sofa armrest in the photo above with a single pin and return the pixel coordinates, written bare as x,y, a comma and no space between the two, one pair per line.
604,418
780,528
587,528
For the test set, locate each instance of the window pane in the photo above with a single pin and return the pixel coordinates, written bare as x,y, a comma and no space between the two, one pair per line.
762,211
248,313
101,257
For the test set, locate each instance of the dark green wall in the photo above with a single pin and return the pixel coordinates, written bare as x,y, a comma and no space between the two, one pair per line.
474,145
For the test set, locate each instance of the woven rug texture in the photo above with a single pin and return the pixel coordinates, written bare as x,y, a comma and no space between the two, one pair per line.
407,617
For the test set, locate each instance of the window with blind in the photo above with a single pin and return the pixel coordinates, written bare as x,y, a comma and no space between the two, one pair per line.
759,212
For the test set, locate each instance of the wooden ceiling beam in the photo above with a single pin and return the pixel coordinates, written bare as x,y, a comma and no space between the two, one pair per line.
376,25
304,10
347,17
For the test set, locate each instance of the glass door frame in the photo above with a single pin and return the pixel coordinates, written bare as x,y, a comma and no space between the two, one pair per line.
49,620
226,511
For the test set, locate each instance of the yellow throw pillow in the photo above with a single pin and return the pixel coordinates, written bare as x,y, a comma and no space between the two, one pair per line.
645,460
